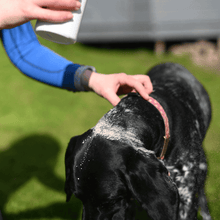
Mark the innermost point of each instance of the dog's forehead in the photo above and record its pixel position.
(108, 129)
(110, 126)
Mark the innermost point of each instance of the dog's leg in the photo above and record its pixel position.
(188, 204)
(202, 201)
(189, 175)
(204, 206)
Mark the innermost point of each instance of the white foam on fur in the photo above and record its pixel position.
(114, 132)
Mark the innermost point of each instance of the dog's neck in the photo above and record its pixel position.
(157, 105)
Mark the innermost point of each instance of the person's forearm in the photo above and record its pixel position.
(37, 61)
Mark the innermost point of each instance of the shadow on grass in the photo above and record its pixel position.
(33, 156)
(56, 210)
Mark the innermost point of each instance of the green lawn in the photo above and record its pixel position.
(37, 121)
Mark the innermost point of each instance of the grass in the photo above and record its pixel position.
(37, 121)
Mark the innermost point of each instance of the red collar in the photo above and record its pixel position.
(157, 105)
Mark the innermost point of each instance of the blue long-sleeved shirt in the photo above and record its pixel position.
(39, 62)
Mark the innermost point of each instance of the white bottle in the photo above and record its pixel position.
(62, 33)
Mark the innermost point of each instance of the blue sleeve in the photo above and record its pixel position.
(37, 61)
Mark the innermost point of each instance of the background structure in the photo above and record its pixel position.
(150, 20)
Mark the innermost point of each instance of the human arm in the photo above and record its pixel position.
(17, 12)
(39, 62)
(42, 64)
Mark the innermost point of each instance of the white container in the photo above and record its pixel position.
(62, 33)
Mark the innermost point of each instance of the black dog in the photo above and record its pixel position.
(116, 163)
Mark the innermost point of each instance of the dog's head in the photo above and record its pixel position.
(109, 174)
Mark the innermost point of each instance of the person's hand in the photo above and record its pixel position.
(17, 12)
(110, 86)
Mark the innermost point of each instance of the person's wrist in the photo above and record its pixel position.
(82, 78)
(85, 78)
(92, 81)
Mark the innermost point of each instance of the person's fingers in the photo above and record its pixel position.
(111, 97)
(52, 15)
(135, 84)
(59, 5)
(145, 80)
(53, 10)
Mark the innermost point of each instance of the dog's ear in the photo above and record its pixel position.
(69, 163)
(75, 145)
(148, 180)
